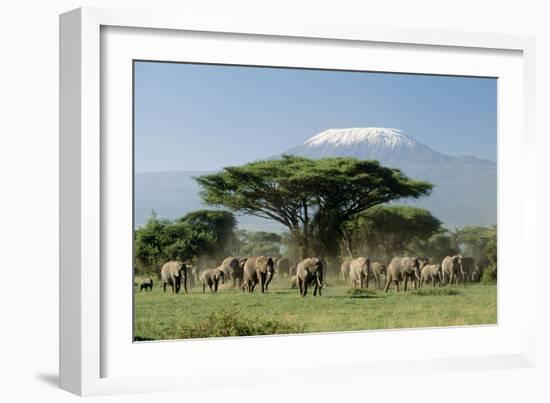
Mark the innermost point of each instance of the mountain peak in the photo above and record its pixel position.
(374, 136)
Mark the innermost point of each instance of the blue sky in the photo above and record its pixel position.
(192, 117)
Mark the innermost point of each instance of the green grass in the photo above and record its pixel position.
(230, 312)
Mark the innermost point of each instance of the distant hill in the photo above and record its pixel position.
(465, 190)
(464, 194)
(174, 194)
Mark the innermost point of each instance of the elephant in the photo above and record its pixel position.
(422, 261)
(195, 274)
(402, 269)
(344, 269)
(258, 269)
(237, 273)
(310, 271)
(283, 266)
(450, 268)
(377, 270)
(230, 267)
(192, 278)
(431, 273)
(359, 270)
(174, 273)
(146, 284)
(467, 266)
(292, 270)
(478, 272)
(212, 277)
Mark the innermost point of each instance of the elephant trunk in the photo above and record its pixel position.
(319, 280)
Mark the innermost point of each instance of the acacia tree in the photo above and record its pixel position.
(303, 194)
(390, 229)
(203, 232)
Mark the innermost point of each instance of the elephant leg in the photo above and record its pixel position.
(405, 283)
(315, 290)
(388, 282)
(203, 288)
(305, 289)
(367, 281)
(164, 287)
(215, 285)
(396, 285)
(262, 282)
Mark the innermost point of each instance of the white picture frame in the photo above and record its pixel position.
(96, 357)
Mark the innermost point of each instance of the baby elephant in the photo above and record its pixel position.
(431, 273)
(211, 278)
(146, 284)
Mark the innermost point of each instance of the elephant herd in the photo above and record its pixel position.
(247, 273)
(404, 270)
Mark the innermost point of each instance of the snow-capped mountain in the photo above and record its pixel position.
(464, 193)
(465, 187)
(376, 143)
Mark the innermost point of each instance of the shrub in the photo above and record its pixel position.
(489, 275)
(428, 292)
(361, 293)
(232, 322)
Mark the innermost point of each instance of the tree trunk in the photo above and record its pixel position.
(347, 242)
(305, 242)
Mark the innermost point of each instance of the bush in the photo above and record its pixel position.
(428, 292)
(489, 275)
(233, 323)
(361, 293)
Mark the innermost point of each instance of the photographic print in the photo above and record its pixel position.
(273, 200)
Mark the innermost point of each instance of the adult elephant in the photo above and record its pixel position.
(402, 269)
(229, 266)
(258, 269)
(283, 266)
(344, 269)
(194, 273)
(450, 269)
(359, 270)
(478, 272)
(431, 273)
(292, 270)
(377, 270)
(467, 266)
(212, 278)
(310, 272)
(237, 273)
(174, 273)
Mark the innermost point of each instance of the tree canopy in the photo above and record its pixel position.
(308, 195)
(258, 243)
(390, 229)
(203, 232)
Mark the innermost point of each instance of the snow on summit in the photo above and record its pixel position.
(374, 136)
(390, 146)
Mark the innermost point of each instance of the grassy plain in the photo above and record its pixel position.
(230, 312)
